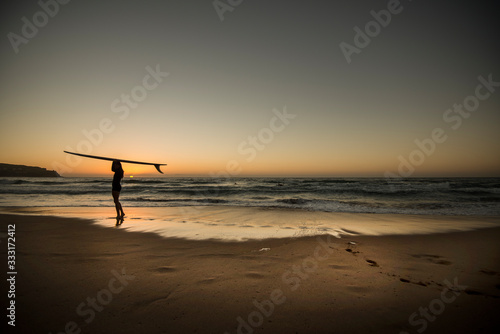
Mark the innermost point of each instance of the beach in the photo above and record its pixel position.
(79, 276)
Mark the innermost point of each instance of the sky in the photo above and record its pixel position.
(252, 88)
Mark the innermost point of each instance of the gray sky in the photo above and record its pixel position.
(226, 77)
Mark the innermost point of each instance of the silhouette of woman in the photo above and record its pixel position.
(117, 168)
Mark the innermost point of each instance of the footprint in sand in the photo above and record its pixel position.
(208, 280)
(437, 259)
(350, 245)
(372, 263)
(338, 267)
(488, 272)
(163, 270)
(254, 275)
(478, 293)
(420, 283)
(404, 280)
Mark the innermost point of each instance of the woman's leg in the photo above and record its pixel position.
(118, 206)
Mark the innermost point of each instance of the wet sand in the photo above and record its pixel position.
(246, 223)
(74, 276)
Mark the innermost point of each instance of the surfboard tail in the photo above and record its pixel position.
(158, 168)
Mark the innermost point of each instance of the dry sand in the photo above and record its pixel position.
(77, 277)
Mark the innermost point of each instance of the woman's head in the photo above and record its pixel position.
(116, 166)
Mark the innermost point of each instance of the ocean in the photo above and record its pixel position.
(421, 196)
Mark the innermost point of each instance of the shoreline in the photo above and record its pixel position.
(72, 271)
(230, 223)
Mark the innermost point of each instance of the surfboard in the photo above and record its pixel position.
(157, 165)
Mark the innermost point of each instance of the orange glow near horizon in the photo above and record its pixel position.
(271, 165)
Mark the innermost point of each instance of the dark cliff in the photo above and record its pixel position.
(25, 171)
